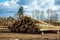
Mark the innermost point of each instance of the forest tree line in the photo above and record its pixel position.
(52, 16)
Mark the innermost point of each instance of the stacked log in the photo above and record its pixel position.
(4, 29)
(24, 24)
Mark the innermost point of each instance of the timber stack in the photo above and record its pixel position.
(25, 25)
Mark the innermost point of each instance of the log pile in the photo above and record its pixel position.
(25, 25)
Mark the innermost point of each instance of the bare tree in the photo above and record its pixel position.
(37, 14)
(49, 11)
(42, 15)
(54, 17)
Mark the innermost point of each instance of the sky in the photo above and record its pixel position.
(10, 7)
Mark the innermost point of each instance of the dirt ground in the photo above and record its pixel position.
(22, 36)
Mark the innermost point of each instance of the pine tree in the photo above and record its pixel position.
(20, 12)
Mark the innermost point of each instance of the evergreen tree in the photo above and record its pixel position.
(20, 12)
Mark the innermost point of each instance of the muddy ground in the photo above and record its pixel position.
(24, 36)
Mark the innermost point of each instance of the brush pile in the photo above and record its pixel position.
(25, 25)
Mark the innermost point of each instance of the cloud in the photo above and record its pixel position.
(57, 2)
(30, 6)
(24, 2)
(41, 5)
(8, 6)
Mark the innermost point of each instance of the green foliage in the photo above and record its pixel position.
(19, 13)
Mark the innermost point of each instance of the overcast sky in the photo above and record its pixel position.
(9, 7)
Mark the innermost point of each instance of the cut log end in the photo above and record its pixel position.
(42, 33)
(58, 32)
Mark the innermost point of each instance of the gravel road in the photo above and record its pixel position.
(22, 36)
